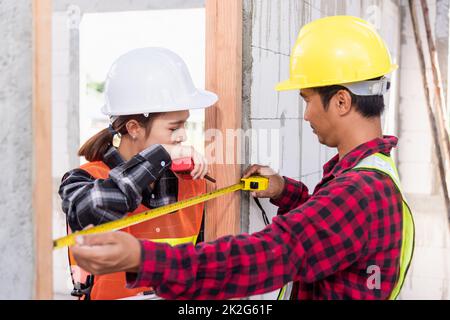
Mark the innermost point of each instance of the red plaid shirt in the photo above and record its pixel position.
(328, 242)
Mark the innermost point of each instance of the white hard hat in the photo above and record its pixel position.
(149, 80)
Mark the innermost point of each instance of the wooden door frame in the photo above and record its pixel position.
(224, 77)
(42, 148)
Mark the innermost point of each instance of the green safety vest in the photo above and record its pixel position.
(384, 164)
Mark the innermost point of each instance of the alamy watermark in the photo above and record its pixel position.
(374, 279)
(234, 146)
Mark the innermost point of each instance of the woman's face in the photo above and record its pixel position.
(168, 128)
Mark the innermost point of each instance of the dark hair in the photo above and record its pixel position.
(96, 146)
(367, 106)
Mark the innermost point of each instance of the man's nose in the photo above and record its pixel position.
(306, 114)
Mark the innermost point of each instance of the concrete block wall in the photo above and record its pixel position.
(416, 155)
(64, 153)
(270, 30)
(60, 93)
(16, 230)
(429, 274)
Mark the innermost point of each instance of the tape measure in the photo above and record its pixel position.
(255, 183)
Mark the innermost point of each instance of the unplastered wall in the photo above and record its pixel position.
(17, 258)
(65, 134)
(417, 164)
(429, 274)
(281, 138)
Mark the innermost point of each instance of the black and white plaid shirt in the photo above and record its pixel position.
(87, 200)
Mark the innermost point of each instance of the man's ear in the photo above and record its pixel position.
(343, 102)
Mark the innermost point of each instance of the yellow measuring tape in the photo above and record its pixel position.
(255, 183)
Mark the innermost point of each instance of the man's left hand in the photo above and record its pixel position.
(108, 253)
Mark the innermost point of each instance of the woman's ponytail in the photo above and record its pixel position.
(95, 148)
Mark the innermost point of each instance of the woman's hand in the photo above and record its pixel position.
(276, 182)
(177, 151)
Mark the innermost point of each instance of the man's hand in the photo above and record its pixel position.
(276, 182)
(108, 253)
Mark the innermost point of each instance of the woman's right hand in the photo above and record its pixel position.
(177, 151)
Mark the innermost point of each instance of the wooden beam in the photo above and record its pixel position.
(42, 170)
(224, 77)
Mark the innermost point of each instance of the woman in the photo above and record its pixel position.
(148, 94)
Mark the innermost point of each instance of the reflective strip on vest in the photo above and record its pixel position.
(384, 164)
(285, 292)
(176, 241)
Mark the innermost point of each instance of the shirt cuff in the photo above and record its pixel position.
(291, 192)
(158, 157)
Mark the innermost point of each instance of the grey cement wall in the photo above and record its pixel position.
(65, 131)
(417, 166)
(429, 274)
(16, 228)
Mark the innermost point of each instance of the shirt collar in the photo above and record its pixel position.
(384, 145)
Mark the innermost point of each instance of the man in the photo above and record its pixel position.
(350, 239)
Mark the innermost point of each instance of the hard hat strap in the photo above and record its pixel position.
(112, 131)
(369, 88)
(112, 119)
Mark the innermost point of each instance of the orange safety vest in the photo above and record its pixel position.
(182, 226)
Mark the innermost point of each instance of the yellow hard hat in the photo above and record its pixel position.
(337, 50)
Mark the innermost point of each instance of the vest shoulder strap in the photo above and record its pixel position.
(384, 164)
(97, 169)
